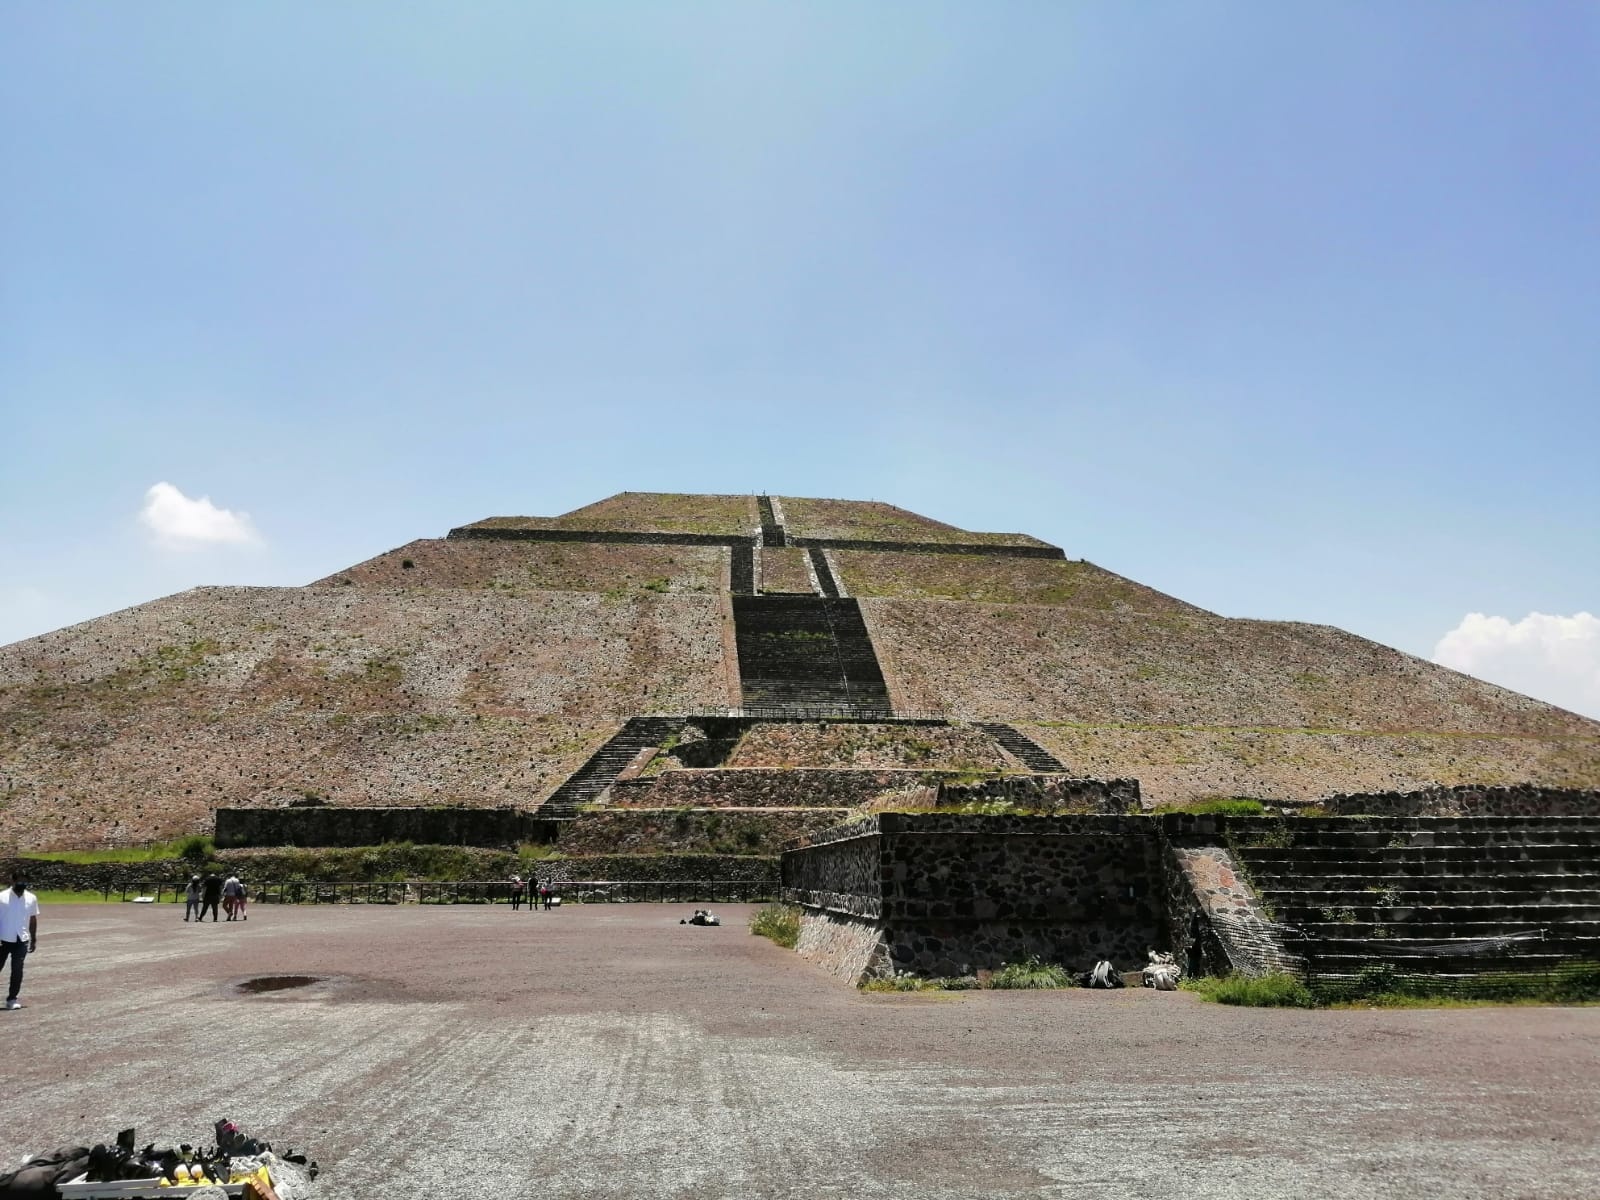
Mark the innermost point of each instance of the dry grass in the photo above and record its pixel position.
(648, 512)
(521, 568)
(872, 520)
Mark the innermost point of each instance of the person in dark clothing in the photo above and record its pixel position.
(210, 896)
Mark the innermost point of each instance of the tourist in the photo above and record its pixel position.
(191, 900)
(19, 931)
(516, 892)
(230, 897)
(210, 896)
(544, 893)
(241, 900)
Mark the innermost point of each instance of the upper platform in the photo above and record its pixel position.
(684, 519)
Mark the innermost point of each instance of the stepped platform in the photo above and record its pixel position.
(1437, 896)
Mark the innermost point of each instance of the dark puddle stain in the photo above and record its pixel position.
(276, 983)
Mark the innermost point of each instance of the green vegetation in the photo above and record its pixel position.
(1380, 986)
(780, 922)
(190, 849)
(59, 896)
(1032, 973)
(1226, 806)
(1267, 991)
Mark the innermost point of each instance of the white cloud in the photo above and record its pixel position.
(1552, 658)
(180, 523)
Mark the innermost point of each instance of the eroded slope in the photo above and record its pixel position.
(135, 726)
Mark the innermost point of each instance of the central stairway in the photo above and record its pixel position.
(1429, 895)
(804, 657)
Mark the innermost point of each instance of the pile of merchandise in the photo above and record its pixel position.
(237, 1165)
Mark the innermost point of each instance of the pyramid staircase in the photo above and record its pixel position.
(606, 763)
(1024, 749)
(805, 657)
(1412, 891)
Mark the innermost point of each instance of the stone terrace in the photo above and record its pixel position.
(873, 521)
(648, 512)
(523, 567)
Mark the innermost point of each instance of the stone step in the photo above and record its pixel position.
(1463, 839)
(805, 653)
(1238, 824)
(1439, 914)
(1335, 961)
(606, 763)
(1423, 880)
(1285, 898)
(1027, 751)
(1451, 858)
(1424, 932)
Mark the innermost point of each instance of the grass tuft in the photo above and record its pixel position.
(1267, 991)
(780, 922)
(1032, 973)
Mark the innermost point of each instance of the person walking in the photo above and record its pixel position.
(19, 931)
(191, 900)
(516, 892)
(210, 896)
(230, 897)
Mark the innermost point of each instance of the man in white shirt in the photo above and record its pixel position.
(19, 931)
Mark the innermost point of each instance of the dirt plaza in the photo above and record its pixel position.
(607, 1051)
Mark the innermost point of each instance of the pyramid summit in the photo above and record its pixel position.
(530, 663)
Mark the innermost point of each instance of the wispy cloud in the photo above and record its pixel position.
(180, 522)
(1553, 658)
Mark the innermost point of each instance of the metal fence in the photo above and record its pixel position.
(478, 891)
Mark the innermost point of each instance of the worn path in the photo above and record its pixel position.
(606, 1051)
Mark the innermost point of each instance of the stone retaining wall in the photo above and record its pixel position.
(758, 787)
(1046, 793)
(656, 831)
(330, 825)
(1516, 801)
(953, 893)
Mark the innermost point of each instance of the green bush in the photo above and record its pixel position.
(1032, 974)
(1225, 806)
(780, 922)
(1266, 991)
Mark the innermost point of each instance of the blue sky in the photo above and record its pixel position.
(1289, 310)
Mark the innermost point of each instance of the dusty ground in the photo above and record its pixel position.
(609, 1052)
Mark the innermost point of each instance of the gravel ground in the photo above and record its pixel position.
(607, 1051)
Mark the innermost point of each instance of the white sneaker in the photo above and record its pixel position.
(13, 1004)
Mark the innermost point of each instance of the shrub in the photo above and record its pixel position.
(195, 849)
(780, 922)
(1031, 974)
(901, 983)
(1226, 806)
(1266, 991)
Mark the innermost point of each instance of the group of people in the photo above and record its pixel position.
(537, 893)
(203, 895)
